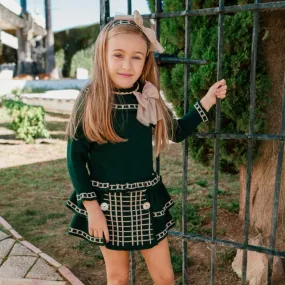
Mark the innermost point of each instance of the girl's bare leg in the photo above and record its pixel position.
(159, 263)
(117, 266)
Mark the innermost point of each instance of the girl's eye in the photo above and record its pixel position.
(120, 56)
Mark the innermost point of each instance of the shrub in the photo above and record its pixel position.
(59, 59)
(236, 70)
(84, 59)
(27, 121)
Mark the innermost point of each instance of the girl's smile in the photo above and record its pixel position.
(126, 75)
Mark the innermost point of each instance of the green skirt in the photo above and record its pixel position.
(137, 214)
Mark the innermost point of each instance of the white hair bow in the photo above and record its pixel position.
(149, 33)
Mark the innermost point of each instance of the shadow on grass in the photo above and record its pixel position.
(33, 195)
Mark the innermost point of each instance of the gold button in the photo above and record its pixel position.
(104, 206)
(146, 205)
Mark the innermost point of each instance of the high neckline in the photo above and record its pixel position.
(126, 91)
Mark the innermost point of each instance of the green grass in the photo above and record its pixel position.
(226, 256)
(232, 206)
(88, 249)
(176, 260)
(193, 218)
(32, 201)
(219, 192)
(174, 191)
(202, 183)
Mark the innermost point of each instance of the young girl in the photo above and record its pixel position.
(119, 202)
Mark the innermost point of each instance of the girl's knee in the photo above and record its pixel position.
(118, 279)
(165, 278)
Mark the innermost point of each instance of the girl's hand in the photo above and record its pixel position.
(217, 90)
(97, 224)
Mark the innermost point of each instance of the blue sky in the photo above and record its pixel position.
(72, 13)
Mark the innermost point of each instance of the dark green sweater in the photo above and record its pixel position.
(124, 162)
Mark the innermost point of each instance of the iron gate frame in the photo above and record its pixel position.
(221, 10)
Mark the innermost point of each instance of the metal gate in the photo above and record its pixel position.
(221, 10)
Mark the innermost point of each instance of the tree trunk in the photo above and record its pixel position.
(264, 169)
(262, 190)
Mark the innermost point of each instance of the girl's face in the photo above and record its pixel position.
(126, 54)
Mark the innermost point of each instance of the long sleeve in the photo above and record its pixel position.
(77, 160)
(186, 125)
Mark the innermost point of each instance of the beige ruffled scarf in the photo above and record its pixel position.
(148, 110)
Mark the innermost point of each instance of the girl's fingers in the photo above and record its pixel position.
(220, 83)
(224, 87)
(221, 93)
(106, 234)
(95, 233)
(90, 230)
(100, 234)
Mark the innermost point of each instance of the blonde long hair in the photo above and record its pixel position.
(92, 109)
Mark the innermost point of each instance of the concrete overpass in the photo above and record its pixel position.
(12, 17)
(19, 29)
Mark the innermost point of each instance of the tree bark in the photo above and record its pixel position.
(264, 168)
(263, 177)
